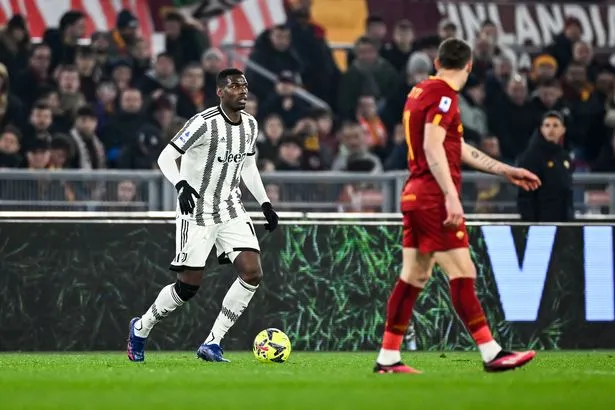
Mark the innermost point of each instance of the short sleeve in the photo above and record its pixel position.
(193, 131)
(442, 109)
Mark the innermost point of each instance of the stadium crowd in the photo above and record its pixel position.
(111, 104)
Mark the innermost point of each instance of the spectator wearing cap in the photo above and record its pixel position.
(272, 50)
(353, 144)
(64, 39)
(561, 48)
(89, 73)
(124, 36)
(547, 158)
(212, 63)
(471, 101)
(375, 30)
(510, 118)
(183, 42)
(34, 77)
(320, 73)
(418, 68)
(398, 51)
(161, 79)
(14, 44)
(10, 146)
(544, 68)
(190, 95)
(283, 102)
(89, 150)
(369, 74)
(11, 108)
(123, 127)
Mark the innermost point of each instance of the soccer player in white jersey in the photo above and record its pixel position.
(217, 149)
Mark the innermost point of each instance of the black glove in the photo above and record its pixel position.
(185, 191)
(270, 216)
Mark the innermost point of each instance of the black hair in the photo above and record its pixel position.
(373, 19)
(224, 74)
(554, 114)
(454, 54)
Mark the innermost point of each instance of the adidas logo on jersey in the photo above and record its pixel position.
(230, 157)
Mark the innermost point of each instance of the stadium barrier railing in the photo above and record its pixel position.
(329, 192)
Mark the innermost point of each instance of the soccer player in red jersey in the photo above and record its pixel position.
(433, 221)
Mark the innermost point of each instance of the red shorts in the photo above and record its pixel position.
(423, 230)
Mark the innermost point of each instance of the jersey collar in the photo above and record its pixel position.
(433, 77)
(226, 118)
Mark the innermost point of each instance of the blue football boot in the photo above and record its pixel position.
(136, 344)
(211, 353)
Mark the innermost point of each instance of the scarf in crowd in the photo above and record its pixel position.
(375, 131)
(85, 161)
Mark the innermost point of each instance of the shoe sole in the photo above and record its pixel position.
(505, 369)
(208, 358)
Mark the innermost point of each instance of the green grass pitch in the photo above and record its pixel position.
(554, 380)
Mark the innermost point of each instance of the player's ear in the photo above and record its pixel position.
(437, 64)
(469, 67)
(219, 92)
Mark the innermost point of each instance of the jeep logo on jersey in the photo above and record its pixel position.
(230, 157)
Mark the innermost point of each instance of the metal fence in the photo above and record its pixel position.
(122, 191)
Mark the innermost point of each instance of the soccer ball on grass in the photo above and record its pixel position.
(271, 345)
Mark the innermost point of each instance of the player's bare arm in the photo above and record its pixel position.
(438, 166)
(483, 162)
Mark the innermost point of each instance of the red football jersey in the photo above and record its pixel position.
(431, 101)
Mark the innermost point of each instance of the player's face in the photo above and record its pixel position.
(552, 129)
(235, 93)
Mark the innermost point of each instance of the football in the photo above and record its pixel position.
(271, 346)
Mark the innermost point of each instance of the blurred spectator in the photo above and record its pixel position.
(212, 63)
(89, 150)
(183, 42)
(33, 78)
(377, 138)
(105, 106)
(353, 145)
(398, 158)
(272, 50)
(561, 48)
(496, 81)
(289, 154)
(361, 197)
(447, 29)
(598, 124)
(89, 74)
(369, 74)
(64, 39)
(316, 157)
(10, 146)
(142, 152)
(123, 126)
(418, 69)
(273, 130)
(484, 53)
(251, 105)
(489, 31)
(546, 158)
(320, 73)
(493, 196)
(511, 119)
(14, 44)
(547, 97)
(164, 119)
(190, 94)
(398, 51)
(375, 30)
(70, 97)
(606, 160)
(124, 37)
(544, 68)
(11, 108)
(101, 44)
(326, 135)
(283, 102)
(161, 79)
(583, 54)
(471, 101)
(121, 73)
(38, 127)
(141, 60)
(61, 152)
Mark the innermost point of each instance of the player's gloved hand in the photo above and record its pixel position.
(186, 192)
(270, 216)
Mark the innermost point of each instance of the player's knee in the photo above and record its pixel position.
(185, 291)
(252, 274)
(417, 278)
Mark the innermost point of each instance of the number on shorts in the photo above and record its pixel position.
(251, 228)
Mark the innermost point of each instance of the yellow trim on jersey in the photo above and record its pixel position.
(436, 119)
(433, 77)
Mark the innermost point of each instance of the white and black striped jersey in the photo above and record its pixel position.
(213, 151)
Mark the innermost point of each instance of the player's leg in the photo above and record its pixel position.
(237, 240)
(415, 273)
(192, 248)
(457, 264)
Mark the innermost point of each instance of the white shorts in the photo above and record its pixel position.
(194, 242)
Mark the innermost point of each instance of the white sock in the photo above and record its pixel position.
(233, 305)
(166, 302)
(388, 357)
(489, 350)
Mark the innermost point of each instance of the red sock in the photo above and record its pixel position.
(399, 313)
(469, 309)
